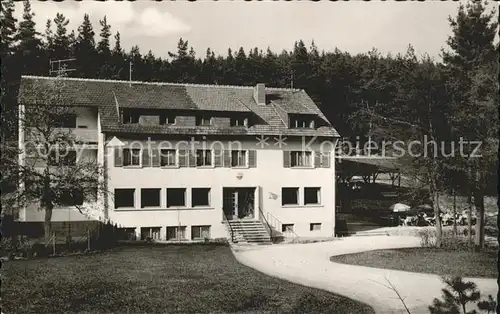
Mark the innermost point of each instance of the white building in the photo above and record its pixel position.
(182, 160)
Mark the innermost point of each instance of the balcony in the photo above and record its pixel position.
(87, 136)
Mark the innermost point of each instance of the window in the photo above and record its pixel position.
(176, 197)
(203, 120)
(311, 196)
(176, 233)
(302, 123)
(62, 158)
(239, 122)
(315, 227)
(124, 198)
(289, 196)
(203, 157)
(152, 233)
(71, 197)
(65, 121)
(200, 197)
(287, 228)
(200, 232)
(131, 157)
(130, 116)
(168, 157)
(150, 198)
(167, 119)
(301, 159)
(238, 158)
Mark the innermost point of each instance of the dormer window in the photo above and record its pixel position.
(302, 122)
(239, 122)
(167, 119)
(130, 116)
(203, 120)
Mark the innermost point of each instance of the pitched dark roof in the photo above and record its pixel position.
(106, 95)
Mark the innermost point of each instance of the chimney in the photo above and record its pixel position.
(259, 94)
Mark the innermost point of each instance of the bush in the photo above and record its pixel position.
(448, 239)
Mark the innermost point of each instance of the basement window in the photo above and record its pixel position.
(153, 233)
(289, 196)
(286, 228)
(200, 232)
(124, 198)
(150, 198)
(176, 197)
(315, 227)
(176, 233)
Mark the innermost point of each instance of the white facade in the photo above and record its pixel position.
(268, 177)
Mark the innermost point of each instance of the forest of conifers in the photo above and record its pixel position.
(362, 95)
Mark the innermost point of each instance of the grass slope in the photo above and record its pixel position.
(158, 279)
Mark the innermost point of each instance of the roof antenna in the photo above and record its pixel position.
(61, 66)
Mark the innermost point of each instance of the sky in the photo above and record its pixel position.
(354, 26)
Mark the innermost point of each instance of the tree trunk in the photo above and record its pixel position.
(455, 230)
(469, 219)
(439, 229)
(479, 204)
(47, 226)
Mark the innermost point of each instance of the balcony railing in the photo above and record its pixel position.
(89, 136)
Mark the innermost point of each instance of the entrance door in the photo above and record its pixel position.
(239, 203)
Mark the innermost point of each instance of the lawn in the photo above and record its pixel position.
(158, 279)
(428, 260)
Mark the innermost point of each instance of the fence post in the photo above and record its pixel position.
(88, 239)
(54, 243)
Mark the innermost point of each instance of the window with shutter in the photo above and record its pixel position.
(252, 158)
(227, 158)
(146, 160)
(325, 160)
(183, 157)
(118, 157)
(218, 162)
(286, 159)
(317, 159)
(155, 156)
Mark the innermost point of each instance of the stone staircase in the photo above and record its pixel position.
(247, 232)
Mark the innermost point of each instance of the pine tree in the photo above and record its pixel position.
(7, 28)
(472, 71)
(85, 51)
(30, 45)
(61, 44)
(10, 71)
(106, 67)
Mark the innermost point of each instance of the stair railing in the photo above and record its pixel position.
(279, 223)
(269, 227)
(231, 231)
